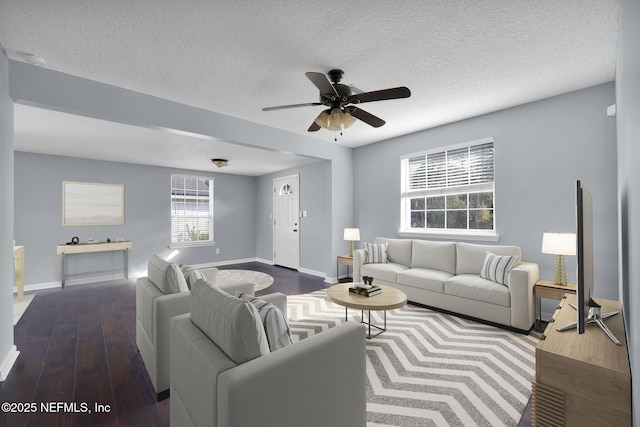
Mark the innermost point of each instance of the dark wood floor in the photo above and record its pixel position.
(77, 350)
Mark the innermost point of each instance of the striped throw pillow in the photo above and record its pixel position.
(497, 267)
(275, 323)
(376, 253)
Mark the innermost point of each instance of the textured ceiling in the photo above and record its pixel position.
(459, 58)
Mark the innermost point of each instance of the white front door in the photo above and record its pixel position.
(286, 221)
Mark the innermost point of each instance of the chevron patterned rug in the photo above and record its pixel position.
(431, 368)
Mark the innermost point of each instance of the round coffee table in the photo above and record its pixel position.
(388, 299)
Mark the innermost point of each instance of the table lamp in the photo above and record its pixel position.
(352, 235)
(559, 244)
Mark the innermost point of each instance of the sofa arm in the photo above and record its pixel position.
(166, 307)
(522, 280)
(359, 259)
(210, 273)
(283, 388)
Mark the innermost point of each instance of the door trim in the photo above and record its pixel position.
(273, 215)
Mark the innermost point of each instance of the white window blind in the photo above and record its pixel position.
(449, 189)
(191, 210)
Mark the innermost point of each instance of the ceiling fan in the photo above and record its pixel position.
(339, 98)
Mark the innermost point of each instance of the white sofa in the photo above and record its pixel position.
(446, 275)
(223, 376)
(162, 295)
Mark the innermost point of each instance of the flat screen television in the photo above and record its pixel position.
(588, 311)
(584, 251)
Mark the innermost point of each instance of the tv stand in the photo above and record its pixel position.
(594, 317)
(582, 379)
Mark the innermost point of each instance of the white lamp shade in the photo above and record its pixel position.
(559, 243)
(352, 234)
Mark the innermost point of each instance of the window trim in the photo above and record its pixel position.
(406, 194)
(193, 243)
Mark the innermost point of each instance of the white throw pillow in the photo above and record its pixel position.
(166, 276)
(275, 323)
(497, 267)
(376, 253)
(231, 323)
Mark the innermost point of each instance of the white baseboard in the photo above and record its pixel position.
(104, 278)
(8, 362)
(77, 281)
(312, 272)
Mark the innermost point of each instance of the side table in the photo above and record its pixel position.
(346, 260)
(548, 289)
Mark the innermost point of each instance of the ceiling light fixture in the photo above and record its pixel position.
(220, 162)
(32, 59)
(335, 119)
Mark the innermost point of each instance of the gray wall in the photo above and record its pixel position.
(62, 92)
(628, 106)
(541, 149)
(6, 216)
(315, 198)
(38, 223)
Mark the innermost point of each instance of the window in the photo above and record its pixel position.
(449, 191)
(191, 210)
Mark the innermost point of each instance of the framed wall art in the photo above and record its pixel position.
(86, 203)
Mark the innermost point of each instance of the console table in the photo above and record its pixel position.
(81, 248)
(582, 379)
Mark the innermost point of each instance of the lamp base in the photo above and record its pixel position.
(560, 276)
(351, 248)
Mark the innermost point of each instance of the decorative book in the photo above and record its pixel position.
(365, 290)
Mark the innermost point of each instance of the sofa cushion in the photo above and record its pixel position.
(376, 252)
(398, 251)
(472, 286)
(233, 324)
(497, 267)
(274, 321)
(434, 255)
(386, 272)
(166, 276)
(421, 278)
(470, 257)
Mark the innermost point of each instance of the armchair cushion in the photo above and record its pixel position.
(231, 323)
(275, 323)
(166, 276)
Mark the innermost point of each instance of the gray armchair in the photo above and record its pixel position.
(317, 382)
(160, 296)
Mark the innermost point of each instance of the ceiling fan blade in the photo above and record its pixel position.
(368, 118)
(314, 127)
(281, 107)
(380, 95)
(322, 83)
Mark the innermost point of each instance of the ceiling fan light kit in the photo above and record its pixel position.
(338, 98)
